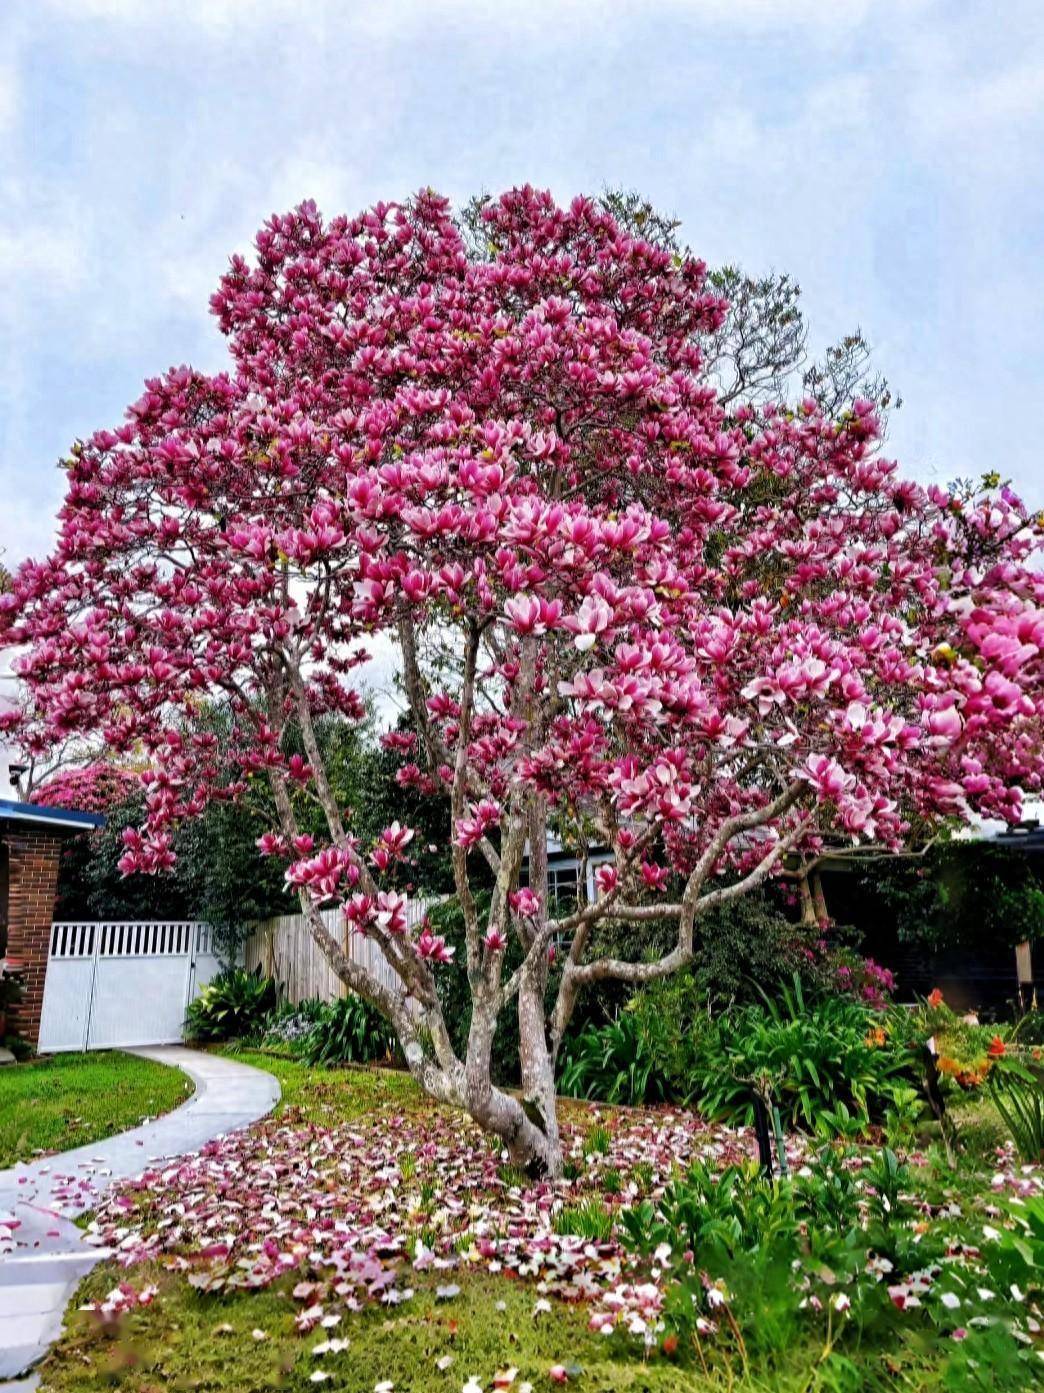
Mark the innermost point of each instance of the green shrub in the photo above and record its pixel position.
(808, 1057)
(290, 1022)
(589, 1219)
(761, 1248)
(840, 1253)
(621, 1062)
(1020, 1103)
(743, 946)
(830, 1062)
(235, 1004)
(347, 1031)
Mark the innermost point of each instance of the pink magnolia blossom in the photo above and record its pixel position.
(391, 912)
(525, 902)
(434, 948)
(606, 878)
(827, 777)
(530, 614)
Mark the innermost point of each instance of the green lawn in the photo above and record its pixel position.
(186, 1340)
(69, 1100)
(333, 1095)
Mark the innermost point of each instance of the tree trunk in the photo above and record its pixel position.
(537, 1068)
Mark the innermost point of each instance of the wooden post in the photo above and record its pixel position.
(761, 1131)
(1027, 990)
(818, 898)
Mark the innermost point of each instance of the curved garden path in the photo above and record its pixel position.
(42, 1252)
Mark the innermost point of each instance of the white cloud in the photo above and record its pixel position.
(9, 97)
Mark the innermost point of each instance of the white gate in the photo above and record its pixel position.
(121, 984)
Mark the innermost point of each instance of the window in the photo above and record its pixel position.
(563, 884)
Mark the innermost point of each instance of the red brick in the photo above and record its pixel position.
(33, 876)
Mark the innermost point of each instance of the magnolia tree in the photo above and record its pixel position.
(703, 636)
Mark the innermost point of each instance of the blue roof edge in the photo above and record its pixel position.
(53, 817)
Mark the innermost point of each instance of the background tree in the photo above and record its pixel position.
(961, 894)
(702, 635)
(759, 351)
(217, 876)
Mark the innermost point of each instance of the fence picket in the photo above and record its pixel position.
(283, 948)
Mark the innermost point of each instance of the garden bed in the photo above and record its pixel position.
(363, 1236)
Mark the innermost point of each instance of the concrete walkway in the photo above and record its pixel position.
(42, 1253)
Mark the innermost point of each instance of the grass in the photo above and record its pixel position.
(67, 1100)
(181, 1341)
(207, 1343)
(980, 1128)
(328, 1095)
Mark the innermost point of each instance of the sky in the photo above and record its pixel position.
(887, 155)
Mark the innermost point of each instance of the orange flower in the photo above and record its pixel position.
(935, 997)
(875, 1037)
(996, 1048)
(946, 1065)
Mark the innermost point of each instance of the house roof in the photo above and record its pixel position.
(1027, 837)
(68, 818)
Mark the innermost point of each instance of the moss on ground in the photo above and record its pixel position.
(246, 1342)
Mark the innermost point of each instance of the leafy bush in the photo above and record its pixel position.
(589, 1219)
(236, 1003)
(11, 995)
(290, 1022)
(758, 1248)
(744, 945)
(960, 894)
(347, 1031)
(830, 1062)
(808, 1057)
(1021, 1105)
(840, 1253)
(621, 1062)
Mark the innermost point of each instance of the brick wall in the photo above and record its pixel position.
(33, 879)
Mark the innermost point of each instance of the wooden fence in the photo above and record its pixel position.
(284, 949)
